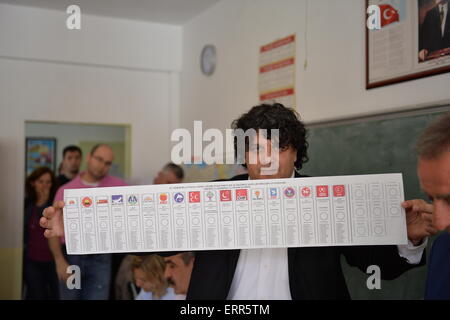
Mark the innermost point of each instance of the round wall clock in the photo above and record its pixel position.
(208, 59)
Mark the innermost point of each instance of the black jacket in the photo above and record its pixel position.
(28, 212)
(431, 34)
(314, 273)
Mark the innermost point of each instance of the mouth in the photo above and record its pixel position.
(170, 282)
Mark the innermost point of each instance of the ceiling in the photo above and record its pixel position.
(176, 12)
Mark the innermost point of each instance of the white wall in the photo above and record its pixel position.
(42, 34)
(332, 86)
(110, 72)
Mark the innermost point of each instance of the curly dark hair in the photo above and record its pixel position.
(276, 116)
(30, 192)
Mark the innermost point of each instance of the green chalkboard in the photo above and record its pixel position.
(371, 146)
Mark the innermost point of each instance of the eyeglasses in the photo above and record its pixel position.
(102, 161)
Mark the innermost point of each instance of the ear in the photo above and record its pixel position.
(295, 153)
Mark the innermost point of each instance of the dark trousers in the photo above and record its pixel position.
(116, 262)
(41, 281)
(95, 277)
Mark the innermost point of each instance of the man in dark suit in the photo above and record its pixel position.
(435, 30)
(280, 273)
(294, 273)
(434, 174)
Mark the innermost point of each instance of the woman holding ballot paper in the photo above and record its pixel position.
(284, 273)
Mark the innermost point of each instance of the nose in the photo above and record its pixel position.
(441, 215)
(265, 157)
(103, 164)
(167, 273)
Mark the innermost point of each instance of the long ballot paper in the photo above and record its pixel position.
(303, 212)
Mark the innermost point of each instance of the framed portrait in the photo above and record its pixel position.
(40, 152)
(411, 41)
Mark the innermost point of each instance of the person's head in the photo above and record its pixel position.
(170, 173)
(71, 160)
(40, 185)
(178, 271)
(434, 169)
(148, 273)
(99, 161)
(288, 150)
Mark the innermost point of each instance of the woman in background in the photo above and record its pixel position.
(148, 272)
(39, 269)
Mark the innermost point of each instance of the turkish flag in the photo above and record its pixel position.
(388, 15)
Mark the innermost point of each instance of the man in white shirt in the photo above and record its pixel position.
(294, 273)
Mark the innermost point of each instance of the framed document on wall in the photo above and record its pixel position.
(413, 41)
(40, 152)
